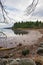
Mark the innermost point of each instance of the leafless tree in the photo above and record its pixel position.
(31, 7)
(27, 11)
(3, 11)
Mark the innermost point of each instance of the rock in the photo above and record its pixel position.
(3, 61)
(13, 62)
(23, 61)
(26, 61)
(40, 51)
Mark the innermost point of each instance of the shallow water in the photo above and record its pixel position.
(14, 39)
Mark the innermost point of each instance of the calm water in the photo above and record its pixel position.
(11, 38)
(8, 32)
(12, 33)
(7, 36)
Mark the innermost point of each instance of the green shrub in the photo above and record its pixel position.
(25, 52)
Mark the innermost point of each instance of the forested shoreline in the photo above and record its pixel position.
(28, 24)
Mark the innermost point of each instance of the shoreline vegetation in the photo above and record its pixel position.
(28, 24)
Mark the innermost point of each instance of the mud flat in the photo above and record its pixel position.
(26, 39)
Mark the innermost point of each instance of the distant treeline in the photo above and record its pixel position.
(28, 24)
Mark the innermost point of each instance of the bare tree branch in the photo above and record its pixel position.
(31, 7)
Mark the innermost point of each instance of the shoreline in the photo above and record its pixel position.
(16, 51)
(26, 39)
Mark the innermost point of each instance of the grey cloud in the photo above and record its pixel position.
(20, 5)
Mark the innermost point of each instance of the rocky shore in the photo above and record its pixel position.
(16, 52)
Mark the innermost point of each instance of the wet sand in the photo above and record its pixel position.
(27, 39)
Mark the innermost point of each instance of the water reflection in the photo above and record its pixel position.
(17, 36)
(8, 32)
(8, 37)
(11, 33)
(20, 32)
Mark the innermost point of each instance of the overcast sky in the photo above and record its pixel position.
(15, 9)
